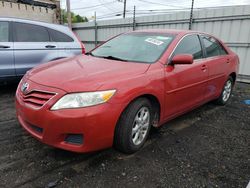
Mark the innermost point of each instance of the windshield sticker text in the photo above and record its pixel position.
(154, 41)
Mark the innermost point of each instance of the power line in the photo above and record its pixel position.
(139, 12)
(149, 12)
(120, 13)
(110, 15)
(172, 10)
(94, 6)
(156, 10)
(103, 3)
(150, 2)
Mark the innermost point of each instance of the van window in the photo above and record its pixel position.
(4, 32)
(30, 33)
(190, 45)
(57, 36)
(212, 47)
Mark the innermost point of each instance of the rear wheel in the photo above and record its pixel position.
(133, 127)
(226, 92)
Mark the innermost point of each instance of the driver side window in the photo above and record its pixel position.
(190, 45)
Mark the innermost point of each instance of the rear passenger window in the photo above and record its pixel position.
(190, 45)
(57, 36)
(213, 47)
(4, 32)
(30, 33)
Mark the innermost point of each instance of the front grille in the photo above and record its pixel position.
(36, 98)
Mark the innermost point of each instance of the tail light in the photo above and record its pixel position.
(81, 44)
(83, 47)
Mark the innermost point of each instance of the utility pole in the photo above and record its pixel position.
(124, 8)
(191, 16)
(69, 14)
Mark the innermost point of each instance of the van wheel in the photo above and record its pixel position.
(133, 126)
(226, 92)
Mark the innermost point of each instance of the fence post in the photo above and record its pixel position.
(96, 42)
(134, 22)
(191, 16)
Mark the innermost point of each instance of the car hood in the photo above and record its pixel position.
(84, 73)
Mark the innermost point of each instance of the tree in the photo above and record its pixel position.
(75, 18)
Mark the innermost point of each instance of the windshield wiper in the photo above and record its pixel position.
(106, 57)
(89, 53)
(113, 58)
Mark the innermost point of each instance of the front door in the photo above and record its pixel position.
(185, 84)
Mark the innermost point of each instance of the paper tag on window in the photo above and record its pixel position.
(154, 41)
(162, 38)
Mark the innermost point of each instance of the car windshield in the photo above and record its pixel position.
(137, 47)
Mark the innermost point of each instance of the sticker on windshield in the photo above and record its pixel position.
(163, 38)
(154, 41)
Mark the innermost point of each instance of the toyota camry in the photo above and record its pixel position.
(114, 94)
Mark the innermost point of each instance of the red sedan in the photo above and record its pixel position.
(113, 95)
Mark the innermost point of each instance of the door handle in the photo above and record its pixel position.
(228, 61)
(50, 46)
(204, 68)
(3, 46)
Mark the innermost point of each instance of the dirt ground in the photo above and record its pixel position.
(208, 147)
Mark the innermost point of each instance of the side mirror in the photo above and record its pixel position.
(182, 59)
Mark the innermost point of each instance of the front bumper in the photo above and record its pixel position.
(96, 124)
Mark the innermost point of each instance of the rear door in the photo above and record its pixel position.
(32, 46)
(67, 46)
(218, 63)
(7, 67)
(185, 84)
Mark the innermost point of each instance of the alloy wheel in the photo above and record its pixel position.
(141, 125)
(227, 91)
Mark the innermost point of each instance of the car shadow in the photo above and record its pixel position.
(183, 121)
(172, 127)
(8, 88)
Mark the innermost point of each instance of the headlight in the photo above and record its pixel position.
(78, 100)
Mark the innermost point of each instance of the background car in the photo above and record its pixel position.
(114, 94)
(25, 44)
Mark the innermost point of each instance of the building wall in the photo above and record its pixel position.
(18, 10)
(231, 24)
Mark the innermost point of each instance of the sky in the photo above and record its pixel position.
(112, 9)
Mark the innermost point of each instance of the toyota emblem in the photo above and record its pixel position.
(25, 87)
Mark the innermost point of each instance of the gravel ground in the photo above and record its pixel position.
(208, 147)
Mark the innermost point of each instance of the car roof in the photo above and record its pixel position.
(168, 31)
(45, 24)
(62, 28)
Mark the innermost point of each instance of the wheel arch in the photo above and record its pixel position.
(233, 75)
(153, 100)
(119, 130)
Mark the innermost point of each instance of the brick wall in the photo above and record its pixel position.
(18, 10)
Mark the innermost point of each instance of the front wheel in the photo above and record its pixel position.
(133, 127)
(226, 92)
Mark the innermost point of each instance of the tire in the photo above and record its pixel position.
(132, 130)
(226, 92)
